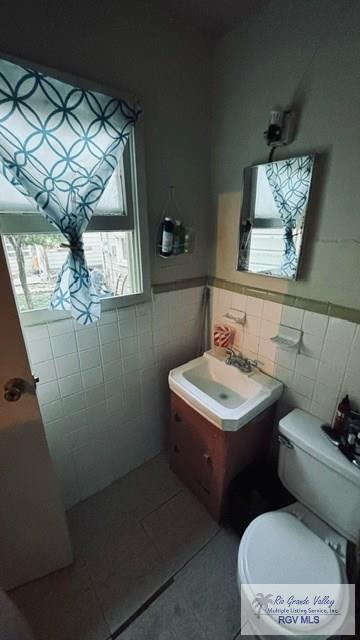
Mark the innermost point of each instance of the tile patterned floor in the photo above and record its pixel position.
(143, 532)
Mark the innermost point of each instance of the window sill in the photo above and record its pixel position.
(40, 316)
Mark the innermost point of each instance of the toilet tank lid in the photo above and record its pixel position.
(304, 430)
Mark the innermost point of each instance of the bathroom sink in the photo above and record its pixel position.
(223, 394)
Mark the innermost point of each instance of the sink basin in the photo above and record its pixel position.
(222, 393)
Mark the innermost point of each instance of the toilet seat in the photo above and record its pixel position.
(278, 548)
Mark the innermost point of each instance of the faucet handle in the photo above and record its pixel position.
(254, 363)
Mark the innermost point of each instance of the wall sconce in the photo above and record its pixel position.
(281, 127)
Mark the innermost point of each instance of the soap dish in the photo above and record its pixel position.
(235, 316)
(287, 337)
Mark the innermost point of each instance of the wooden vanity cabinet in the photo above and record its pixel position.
(206, 458)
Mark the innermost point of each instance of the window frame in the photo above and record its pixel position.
(136, 220)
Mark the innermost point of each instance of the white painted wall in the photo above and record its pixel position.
(304, 54)
(103, 389)
(316, 378)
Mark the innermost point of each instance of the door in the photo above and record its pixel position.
(34, 538)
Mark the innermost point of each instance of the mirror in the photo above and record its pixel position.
(276, 197)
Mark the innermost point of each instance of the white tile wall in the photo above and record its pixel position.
(327, 365)
(103, 389)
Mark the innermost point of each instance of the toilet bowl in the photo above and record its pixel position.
(306, 542)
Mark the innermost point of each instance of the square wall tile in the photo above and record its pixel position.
(143, 325)
(67, 365)
(253, 325)
(60, 326)
(325, 395)
(126, 315)
(131, 363)
(92, 377)
(254, 306)
(129, 346)
(51, 411)
(311, 345)
(272, 311)
(108, 333)
(315, 323)
(268, 329)
(301, 384)
(341, 331)
(110, 351)
(40, 350)
(108, 317)
(324, 412)
(127, 330)
(306, 366)
(74, 403)
(292, 317)
(238, 301)
(63, 344)
(251, 342)
(47, 392)
(112, 370)
(90, 358)
(95, 394)
(88, 338)
(283, 374)
(330, 373)
(45, 371)
(145, 341)
(295, 400)
(334, 351)
(70, 385)
(37, 332)
(113, 388)
(267, 349)
(266, 365)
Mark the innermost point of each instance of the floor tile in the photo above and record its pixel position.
(62, 606)
(166, 619)
(146, 488)
(179, 529)
(207, 587)
(127, 578)
(128, 540)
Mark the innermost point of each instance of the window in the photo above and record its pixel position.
(115, 250)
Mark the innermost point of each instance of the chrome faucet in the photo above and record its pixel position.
(244, 364)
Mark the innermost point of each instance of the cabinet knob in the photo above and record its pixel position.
(177, 417)
(207, 457)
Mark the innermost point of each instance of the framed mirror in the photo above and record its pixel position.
(273, 213)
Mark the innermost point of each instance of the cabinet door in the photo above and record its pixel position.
(196, 452)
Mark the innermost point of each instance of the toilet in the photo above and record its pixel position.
(306, 542)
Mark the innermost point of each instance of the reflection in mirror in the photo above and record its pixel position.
(275, 201)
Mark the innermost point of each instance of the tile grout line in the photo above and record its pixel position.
(148, 602)
(160, 506)
(164, 587)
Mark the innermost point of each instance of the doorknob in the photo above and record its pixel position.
(13, 389)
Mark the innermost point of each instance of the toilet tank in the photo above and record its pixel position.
(318, 474)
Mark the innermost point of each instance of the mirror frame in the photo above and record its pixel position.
(247, 201)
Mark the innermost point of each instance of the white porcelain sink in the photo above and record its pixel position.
(222, 393)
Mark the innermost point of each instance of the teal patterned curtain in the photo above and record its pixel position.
(59, 145)
(289, 181)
